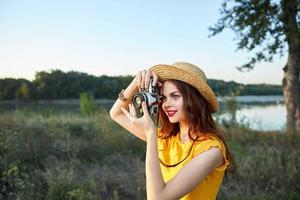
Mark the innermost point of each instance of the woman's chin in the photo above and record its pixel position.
(172, 120)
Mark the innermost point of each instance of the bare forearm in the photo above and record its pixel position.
(154, 179)
(131, 89)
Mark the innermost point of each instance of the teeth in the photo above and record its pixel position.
(171, 112)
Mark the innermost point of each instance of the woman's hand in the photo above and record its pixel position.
(143, 77)
(144, 123)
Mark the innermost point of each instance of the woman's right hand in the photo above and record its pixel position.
(125, 119)
(142, 79)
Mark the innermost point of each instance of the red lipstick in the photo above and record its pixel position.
(170, 113)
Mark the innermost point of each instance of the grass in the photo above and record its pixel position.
(268, 167)
(69, 156)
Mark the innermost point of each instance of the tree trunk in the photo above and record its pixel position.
(291, 91)
(291, 80)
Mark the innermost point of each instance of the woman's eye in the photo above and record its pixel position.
(163, 99)
(175, 96)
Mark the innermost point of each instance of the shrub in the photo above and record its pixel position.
(87, 104)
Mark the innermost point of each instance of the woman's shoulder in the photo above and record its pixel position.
(211, 141)
(207, 141)
(207, 137)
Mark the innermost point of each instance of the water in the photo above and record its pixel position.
(261, 117)
(256, 99)
(257, 112)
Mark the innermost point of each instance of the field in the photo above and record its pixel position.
(71, 156)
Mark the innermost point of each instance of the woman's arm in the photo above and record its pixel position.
(141, 80)
(118, 116)
(186, 179)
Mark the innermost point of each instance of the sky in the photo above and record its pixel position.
(118, 37)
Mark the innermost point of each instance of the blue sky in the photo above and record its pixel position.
(120, 37)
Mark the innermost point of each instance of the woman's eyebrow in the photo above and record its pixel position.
(171, 93)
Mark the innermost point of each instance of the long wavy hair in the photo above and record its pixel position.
(200, 121)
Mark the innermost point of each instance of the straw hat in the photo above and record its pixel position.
(188, 73)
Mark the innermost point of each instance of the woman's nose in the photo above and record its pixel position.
(166, 103)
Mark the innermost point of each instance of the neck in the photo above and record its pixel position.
(184, 129)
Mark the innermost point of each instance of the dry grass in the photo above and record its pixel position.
(64, 156)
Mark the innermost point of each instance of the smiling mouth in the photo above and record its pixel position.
(171, 113)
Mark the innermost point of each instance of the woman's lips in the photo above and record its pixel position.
(171, 113)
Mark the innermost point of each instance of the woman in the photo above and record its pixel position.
(187, 156)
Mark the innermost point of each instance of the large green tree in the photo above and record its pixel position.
(268, 28)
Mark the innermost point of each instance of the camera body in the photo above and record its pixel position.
(150, 96)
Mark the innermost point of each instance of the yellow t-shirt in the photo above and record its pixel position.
(172, 151)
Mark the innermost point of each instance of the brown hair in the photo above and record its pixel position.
(198, 112)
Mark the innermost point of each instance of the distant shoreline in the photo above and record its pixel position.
(240, 99)
(256, 99)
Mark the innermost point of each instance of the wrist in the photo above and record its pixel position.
(125, 95)
(151, 133)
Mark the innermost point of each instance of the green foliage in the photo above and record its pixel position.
(80, 194)
(84, 130)
(267, 166)
(87, 104)
(23, 93)
(13, 183)
(261, 89)
(60, 85)
(15, 88)
(261, 24)
(65, 184)
(222, 88)
(268, 28)
(69, 157)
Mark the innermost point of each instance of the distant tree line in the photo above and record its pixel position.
(231, 88)
(57, 84)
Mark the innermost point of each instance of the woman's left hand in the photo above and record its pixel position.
(144, 123)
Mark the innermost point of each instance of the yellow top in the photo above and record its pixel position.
(172, 151)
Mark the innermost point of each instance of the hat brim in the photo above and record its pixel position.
(166, 72)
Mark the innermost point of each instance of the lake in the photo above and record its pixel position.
(258, 112)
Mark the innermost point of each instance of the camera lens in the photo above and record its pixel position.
(155, 111)
(138, 100)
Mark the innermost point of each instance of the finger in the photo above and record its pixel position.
(155, 78)
(138, 79)
(132, 110)
(145, 109)
(147, 78)
(127, 114)
(159, 84)
(143, 79)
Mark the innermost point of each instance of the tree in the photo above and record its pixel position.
(268, 28)
(87, 103)
(23, 93)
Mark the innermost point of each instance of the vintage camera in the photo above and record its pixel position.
(151, 97)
